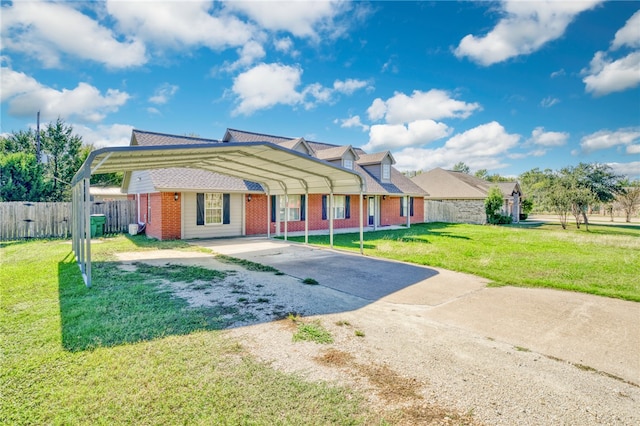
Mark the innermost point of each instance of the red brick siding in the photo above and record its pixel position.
(256, 214)
(391, 211)
(165, 215)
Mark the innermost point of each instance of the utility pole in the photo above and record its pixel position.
(38, 139)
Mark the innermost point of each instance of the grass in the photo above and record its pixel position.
(247, 264)
(310, 331)
(602, 261)
(127, 352)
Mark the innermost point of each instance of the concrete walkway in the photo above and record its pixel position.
(585, 330)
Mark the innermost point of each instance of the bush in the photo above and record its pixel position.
(500, 219)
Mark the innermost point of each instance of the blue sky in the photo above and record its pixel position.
(504, 86)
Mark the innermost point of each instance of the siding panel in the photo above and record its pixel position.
(191, 230)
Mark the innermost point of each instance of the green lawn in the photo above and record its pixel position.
(604, 260)
(126, 351)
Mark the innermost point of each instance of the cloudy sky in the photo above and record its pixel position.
(504, 86)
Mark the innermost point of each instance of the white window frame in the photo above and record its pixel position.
(386, 171)
(295, 201)
(405, 206)
(213, 205)
(347, 164)
(339, 206)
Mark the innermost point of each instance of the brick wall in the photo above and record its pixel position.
(257, 208)
(164, 218)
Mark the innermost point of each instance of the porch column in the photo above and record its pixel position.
(269, 215)
(286, 214)
(408, 212)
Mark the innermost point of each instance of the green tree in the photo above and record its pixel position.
(461, 167)
(493, 204)
(535, 183)
(21, 177)
(558, 198)
(481, 174)
(64, 156)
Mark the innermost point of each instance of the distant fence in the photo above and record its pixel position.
(19, 220)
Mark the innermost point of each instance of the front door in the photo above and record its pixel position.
(372, 210)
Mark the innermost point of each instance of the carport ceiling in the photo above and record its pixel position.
(274, 167)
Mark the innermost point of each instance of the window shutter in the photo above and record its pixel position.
(226, 209)
(200, 209)
(303, 211)
(402, 207)
(273, 208)
(410, 206)
(324, 207)
(347, 207)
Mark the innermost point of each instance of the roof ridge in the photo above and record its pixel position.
(174, 136)
(262, 134)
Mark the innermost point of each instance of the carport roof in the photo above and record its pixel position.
(277, 169)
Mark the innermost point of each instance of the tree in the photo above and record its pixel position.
(629, 199)
(21, 177)
(493, 205)
(64, 158)
(461, 167)
(481, 174)
(558, 197)
(535, 183)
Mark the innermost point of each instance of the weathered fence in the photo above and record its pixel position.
(19, 220)
(437, 211)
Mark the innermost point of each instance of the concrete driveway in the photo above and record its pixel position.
(596, 332)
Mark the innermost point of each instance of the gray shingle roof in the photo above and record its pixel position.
(332, 153)
(448, 184)
(196, 179)
(375, 158)
(143, 138)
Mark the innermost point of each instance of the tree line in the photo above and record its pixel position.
(40, 166)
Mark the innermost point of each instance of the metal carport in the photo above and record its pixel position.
(280, 171)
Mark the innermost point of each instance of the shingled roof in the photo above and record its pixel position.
(143, 138)
(448, 184)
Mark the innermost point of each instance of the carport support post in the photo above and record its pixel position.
(331, 219)
(306, 216)
(361, 223)
(269, 214)
(286, 214)
(87, 231)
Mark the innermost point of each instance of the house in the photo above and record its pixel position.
(463, 196)
(184, 203)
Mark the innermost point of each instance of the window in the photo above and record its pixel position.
(294, 207)
(386, 171)
(338, 206)
(404, 208)
(347, 164)
(213, 209)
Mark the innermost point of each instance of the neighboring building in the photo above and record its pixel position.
(107, 193)
(179, 203)
(464, 196)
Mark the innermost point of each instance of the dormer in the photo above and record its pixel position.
(378, 165)
(344, 156)
(299, 144)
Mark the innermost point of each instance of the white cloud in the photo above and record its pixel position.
(153, 111)
(631, 170)
(353, 122)
(633, 149)
(479, 148)
(561, 72)
(85, 102)
(392, 136)
(177, 24)
(606, 139)
(163, 93)
(300, 18)
(605, 76)
(267, 85)
(105, 135)
(284, 44)
(542, 138)
(47, 31)
(549, 101)
(431, 105)
(350, 85)
(629, 35)
(525, 27)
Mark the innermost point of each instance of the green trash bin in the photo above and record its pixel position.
(97, 225)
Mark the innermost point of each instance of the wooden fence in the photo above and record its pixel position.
(436, 211)
(19, 220)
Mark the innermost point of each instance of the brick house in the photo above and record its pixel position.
(465, 195)
(184, 203)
